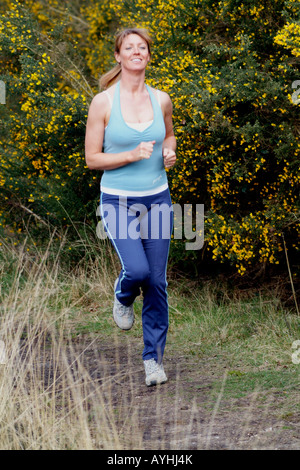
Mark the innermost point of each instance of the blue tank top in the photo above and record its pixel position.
(144, 176)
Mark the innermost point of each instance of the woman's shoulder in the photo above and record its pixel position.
(101, 103)
(157, 91)
(101, 97)
(162, 96)
(164, 100)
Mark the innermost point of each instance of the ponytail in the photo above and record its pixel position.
(110, 77)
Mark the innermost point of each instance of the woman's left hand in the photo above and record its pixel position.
(169, 157)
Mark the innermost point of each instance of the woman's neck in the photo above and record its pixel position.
(132, 84)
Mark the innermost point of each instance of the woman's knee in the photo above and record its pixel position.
(139, 274)
(157, 283)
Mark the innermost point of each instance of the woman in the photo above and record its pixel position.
(129, 136)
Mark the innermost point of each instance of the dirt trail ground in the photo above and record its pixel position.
(187, 412)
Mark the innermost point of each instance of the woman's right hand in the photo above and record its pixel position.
(143, 151)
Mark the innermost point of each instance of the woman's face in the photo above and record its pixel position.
(134, 53)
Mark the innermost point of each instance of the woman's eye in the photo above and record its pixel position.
(130, 47)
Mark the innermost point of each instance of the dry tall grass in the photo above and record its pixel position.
(52, 397)
(48, 399)
(58, 392)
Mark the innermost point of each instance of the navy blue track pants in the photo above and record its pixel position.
(140, 231)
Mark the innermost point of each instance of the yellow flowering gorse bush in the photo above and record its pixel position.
(238, 143)
(228, 67)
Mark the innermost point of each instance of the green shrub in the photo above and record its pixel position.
(228, 66)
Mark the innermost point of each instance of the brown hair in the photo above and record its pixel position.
(114, 74)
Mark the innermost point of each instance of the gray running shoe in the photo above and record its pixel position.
(155, 373)
(123, 316)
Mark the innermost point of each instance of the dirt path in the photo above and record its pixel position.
(188, 412)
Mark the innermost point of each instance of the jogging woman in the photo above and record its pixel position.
(129, 136)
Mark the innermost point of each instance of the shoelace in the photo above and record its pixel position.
(123, 310)
(152, 366)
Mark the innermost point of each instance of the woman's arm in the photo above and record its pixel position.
(169, 144)
(94, 157)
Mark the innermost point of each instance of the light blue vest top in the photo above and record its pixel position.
(144, 176)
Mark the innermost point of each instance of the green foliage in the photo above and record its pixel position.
(236, 124)
(228, 67)
(43, 126)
